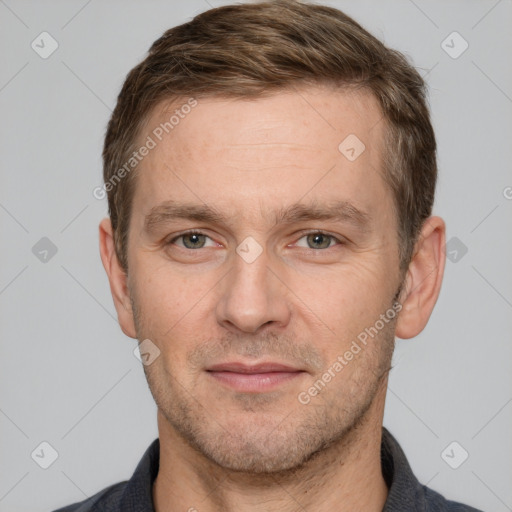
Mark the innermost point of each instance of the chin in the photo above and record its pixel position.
(259, 443)
(253, 458)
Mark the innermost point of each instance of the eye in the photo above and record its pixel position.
(318, 240)
(313, 240)
(191, 240)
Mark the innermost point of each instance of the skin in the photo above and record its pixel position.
(302, 301)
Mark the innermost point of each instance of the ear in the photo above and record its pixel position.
(423, 279)
(117, 279)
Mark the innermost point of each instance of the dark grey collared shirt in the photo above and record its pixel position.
(406, 494)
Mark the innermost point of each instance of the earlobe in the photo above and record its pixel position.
(117, 279)
(423, 279)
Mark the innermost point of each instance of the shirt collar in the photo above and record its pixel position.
(404, 490)
(138, 493)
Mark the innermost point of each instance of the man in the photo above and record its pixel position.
(270, 171)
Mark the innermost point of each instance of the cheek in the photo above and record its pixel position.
(171, 305)
(344, 301)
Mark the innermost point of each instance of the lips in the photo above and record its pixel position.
(255, 378)
(237, 367)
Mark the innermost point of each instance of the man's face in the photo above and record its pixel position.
(265, 280)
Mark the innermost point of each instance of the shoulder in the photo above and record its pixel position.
(129, 495)
(434, 502)
(107, 500)
(406, 493)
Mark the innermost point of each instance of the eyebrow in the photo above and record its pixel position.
(340, 211)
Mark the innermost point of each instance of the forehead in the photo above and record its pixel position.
(318, 142)
(287, 118)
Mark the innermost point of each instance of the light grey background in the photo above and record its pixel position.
(68, 374)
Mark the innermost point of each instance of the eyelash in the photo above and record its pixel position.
(302, 235)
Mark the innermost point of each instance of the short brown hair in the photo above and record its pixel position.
(255, 49)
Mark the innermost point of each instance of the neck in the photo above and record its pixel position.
(345, 476)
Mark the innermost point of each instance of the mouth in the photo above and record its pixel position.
(257, 378)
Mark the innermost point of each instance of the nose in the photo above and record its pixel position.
(252, 296)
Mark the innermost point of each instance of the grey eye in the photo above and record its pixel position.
(197, 240)
(318, 240)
